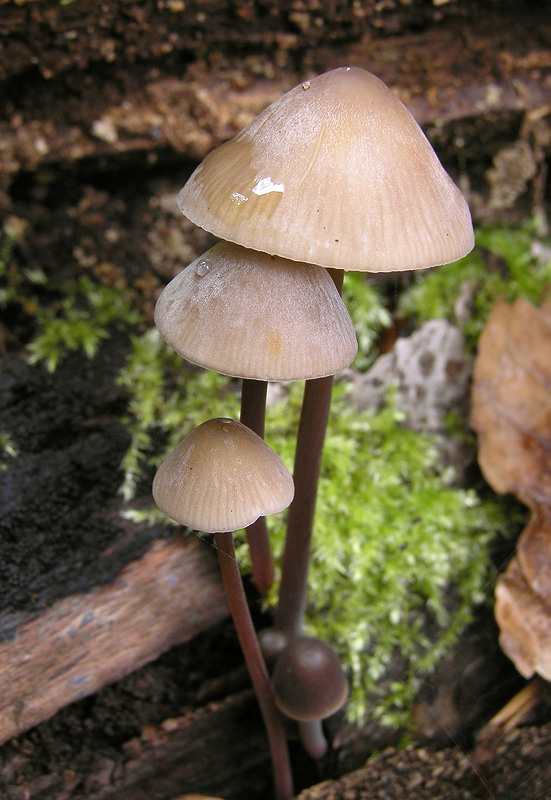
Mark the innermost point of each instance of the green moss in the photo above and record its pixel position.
(504, 263)
(168, 397)
(68, 315)
(16, 286)
(400, 555)
(368, 315)
(8, 450)
(80, 320)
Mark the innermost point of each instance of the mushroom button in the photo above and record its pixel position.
(309, 685)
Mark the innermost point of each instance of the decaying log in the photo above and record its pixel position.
(85, 641)
(173, 757)
(52, 37)
(474, 83)
(519, 765)
(176, 757)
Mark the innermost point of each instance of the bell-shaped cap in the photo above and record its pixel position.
(308, 680)
(337, 173)
(250, 315)
(221, 477)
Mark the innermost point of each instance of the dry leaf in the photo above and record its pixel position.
(534, 554)
(525, 623)
(511, 412)
(511, 401)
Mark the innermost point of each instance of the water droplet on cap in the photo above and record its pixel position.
(202, 268)
(238, 198)
(266, 185)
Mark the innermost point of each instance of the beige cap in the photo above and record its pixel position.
(247, 314)
(337, 173)
(221, 477)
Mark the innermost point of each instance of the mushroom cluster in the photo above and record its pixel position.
(335, 175)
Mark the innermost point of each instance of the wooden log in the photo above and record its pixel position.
(518, 765)
(51, 37)
(468, 82)
(220, 749)
(85, 641)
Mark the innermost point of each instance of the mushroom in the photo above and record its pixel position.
(337, 173)
(309, 685)
(257, 317)
(251, 315)
(222, 475)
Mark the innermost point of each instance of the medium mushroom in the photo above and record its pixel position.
(337, 173)
(222, 475)
(257, 317)
(251, 315)
(309, 686)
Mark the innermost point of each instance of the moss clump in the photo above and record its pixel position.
(168, 397)
(507, 262)
(68, 315)
(81, 319)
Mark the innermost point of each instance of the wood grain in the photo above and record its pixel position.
(85, 641)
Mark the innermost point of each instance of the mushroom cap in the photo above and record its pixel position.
(336, 172)
(221, 477)
(308, 680)
(251, 315)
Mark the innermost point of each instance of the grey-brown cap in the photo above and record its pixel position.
(247, 314)
(221, 477)
(337, 173)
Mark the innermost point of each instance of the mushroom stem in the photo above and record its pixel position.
(253, 414)
(313, 738)
(316, 404)
(253, 404)
(255, 665)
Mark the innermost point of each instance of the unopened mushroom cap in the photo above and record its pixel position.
(221, 477)
(251, 315)
(308, 680)
(337, 173)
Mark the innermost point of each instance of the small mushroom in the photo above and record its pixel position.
(221, 477)
(309, 685)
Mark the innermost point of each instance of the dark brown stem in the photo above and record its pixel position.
(253, 414)
(253, 405)
(296, 556)
(255, 665)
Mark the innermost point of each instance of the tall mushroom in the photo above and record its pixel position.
(337, 173)
(223, 476)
